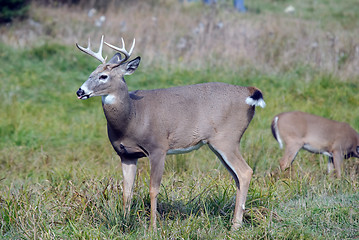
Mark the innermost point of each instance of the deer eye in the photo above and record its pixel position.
(103, 77)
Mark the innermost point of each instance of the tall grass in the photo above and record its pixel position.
(60, 178)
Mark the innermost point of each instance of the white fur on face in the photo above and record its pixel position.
(104, 79)
(85, 88)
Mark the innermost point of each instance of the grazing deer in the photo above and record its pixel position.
(297, 130)
(153, 123)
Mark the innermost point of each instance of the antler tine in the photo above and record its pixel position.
(133, 46)
(88, 50)
(123, 44)
(122, 50)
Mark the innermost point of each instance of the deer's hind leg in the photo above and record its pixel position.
(241, 172)
(291, 151)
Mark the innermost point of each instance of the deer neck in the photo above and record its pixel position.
(118, 111)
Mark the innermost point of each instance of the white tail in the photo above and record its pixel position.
(153, 123)
(256, 100)
(275, 131)
(315, 134)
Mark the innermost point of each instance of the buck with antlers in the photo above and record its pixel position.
(153, 123)
(297, 130)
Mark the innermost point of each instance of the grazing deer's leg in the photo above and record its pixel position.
(330, 165)
(129, 168)
(290, 153)
(338, 161)
(241, 172)
(157, 161)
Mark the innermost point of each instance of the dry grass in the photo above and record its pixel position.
(171, 34)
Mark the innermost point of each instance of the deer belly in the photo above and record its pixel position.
(187, 149)
(128, 152)
(313, 149)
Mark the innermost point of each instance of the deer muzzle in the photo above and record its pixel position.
(81, 94)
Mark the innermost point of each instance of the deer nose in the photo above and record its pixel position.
(80, 92)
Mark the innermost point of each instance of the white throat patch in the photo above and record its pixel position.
(108, 99)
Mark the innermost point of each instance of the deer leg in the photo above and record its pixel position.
(157, 162)
(129, 168)
(330, 165)
(338, 163)
(291, 151)
(242, 174)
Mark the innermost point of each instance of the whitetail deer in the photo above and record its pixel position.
(153, 123)
(297, 130)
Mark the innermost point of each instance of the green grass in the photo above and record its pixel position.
(61, 179)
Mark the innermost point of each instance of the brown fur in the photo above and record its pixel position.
(157, 122)
(316, 134)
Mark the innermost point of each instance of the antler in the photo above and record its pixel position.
(123, 50)
(97, 55)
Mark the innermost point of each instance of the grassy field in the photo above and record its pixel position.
(61, 179)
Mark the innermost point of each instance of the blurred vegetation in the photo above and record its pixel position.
(191, 35)
(13, 9)
(98, 4)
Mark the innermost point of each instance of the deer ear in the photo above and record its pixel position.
(115, 59)
(132, 65)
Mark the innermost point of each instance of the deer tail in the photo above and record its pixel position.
(256, 98)
(275, 132)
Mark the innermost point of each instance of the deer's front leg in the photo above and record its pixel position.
(330, 165)
(129, 168)
(338, 163)
(157, 161)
